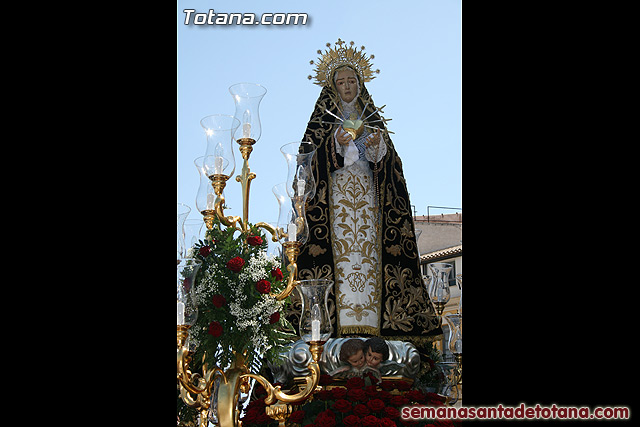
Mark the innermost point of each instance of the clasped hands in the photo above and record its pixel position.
(344, 138)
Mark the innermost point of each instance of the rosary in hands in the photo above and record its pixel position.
(344, 138)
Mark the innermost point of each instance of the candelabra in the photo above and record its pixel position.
(216, 167)
(439, 291)
(455, 341)
(440, 295)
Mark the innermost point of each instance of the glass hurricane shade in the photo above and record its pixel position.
(219, 156)
(300, 180)
(185, 295)
(205, 197)
(439, 289)
(247, 98)
(183, 212)
(292, 220)
(455, 332)
(315, 323)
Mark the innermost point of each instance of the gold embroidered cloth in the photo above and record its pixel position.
(354, 235)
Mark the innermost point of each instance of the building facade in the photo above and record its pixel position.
(440, 240)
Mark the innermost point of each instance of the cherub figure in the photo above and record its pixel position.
(352, 352)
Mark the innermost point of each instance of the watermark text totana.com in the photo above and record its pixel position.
(191, 17)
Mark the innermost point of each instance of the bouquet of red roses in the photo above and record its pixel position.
(234, 288)
(354, 405)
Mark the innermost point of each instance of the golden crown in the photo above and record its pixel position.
(340, 55)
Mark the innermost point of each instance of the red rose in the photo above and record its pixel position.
(263, 418)
(361, 410)
(388, 385)
(371, 391)
(342, 405)
(251, 416)
(258, 403)
(375, 405)
(384, 395)
(254, 240)
(355, 382)
(357, 394)
(391, 412)
(205, 251)
(296, 417)
(328, 413)
(235, 264)
(370, 421)
(218, 300)
(386, 422)
(339, 393)
(351, 421)
(276, 273)
(275, 317)
(398, 401)
(435, 399)
(416, 396)
(326, 419)
(215, 329)
(263, 286)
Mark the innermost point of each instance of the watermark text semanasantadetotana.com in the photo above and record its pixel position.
(212, 18)
(522, 412)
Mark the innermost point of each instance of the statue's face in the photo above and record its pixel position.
(357, 360)
(346, 84)
(373, 358)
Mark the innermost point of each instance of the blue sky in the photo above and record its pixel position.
(417, 47)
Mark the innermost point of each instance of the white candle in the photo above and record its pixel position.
(217, 169)
(315, 330)
(180, 313)
(301, 184)
(246, 130)
(291, 230)
(315, 323)
(211, 198)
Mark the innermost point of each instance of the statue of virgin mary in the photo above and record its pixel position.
(361, 232)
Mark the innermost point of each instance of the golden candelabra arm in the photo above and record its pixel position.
(236, 379)
(228, 392)
(279, 403)
(276, 232)
(276, 393)
(292, 250)
(196, 389)
(195, 383)
(245, 178)
(219, 181)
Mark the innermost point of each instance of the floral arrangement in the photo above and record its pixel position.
(235, 308)
(360, 403)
